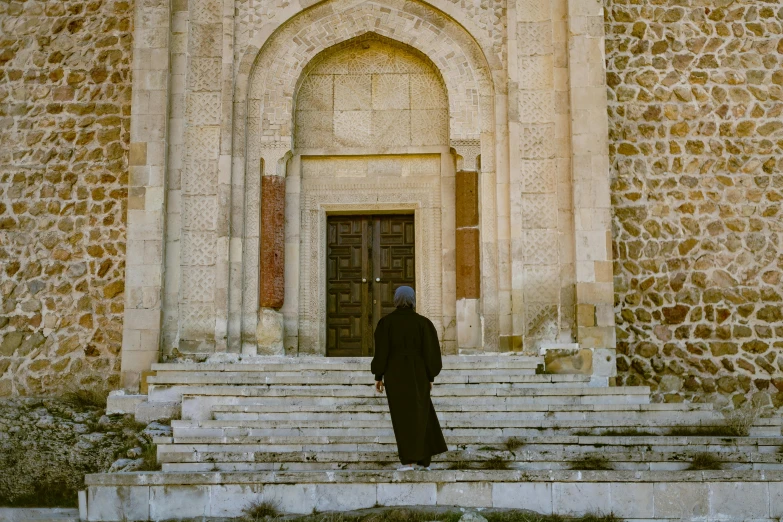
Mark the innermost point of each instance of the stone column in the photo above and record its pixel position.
(468, 250)
(146, 223)
(591, 178)
(269, 333)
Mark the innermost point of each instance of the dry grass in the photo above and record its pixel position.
(258, 511)
(591, 463)
(150, 455)
(86, 398)
(459, 465)
(705, 461)
(513, 444)
(741, 420)
(702, 431)
(630, 432)
(495, 463)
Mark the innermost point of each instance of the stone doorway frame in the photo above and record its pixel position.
(320, 200)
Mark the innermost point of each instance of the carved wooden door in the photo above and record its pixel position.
(368, 258)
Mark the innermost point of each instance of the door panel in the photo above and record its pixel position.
(380, 249)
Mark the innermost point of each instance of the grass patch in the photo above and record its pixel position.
(150, 455)
(495, 463)
(702, 431)
(591, 463)
(741, 420)
(459, 464)
(260, 511)
(513, 444)
(705, 461)
(630, 432)
(583, 433)
(86, 398)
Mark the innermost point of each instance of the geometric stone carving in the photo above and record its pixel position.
(205, 11)
(541, 321)
(538, 176)
(539, 211)
(535, 38)
(534, 10)
(198, 248)
(203, 108)
(536, 106)
(199, 212)
(200, 178)
(204, 74)
(537, 141)
(201, 284)
(371, 94)
(541, 284)
(536, 72)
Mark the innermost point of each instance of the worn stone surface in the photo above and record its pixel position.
(695, 103)
(64, 124)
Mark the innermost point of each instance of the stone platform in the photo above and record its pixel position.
(312, 434)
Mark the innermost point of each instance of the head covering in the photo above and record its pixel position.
(405, 297)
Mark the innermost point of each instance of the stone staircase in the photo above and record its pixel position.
(282, 426)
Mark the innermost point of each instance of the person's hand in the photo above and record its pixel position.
(379, 386)
(431, 385)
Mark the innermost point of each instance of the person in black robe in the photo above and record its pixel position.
(407, 360)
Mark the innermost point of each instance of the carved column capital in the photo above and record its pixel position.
(275, 154)
(467, 152)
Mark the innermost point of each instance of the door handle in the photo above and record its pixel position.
(377, 279)
(364, 280)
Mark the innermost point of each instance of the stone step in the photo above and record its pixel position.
(666, 418)
(351, 406)
(630, 495)
(630, 459)
(370, 435)
(343, 364)
(633, 465)
(352, 378)
(251, 452)
(630, 394)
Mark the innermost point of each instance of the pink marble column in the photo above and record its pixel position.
(272, 267)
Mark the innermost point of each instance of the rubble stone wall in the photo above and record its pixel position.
(65, 92)
(695, 93)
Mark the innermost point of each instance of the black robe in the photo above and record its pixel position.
(407, 358)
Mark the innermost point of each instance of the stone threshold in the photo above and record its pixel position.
(435, 476)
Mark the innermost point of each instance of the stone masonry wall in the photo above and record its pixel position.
(65, 92)
(696, 131)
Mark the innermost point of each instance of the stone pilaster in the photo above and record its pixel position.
(272, 270)
(591, 176)
(468, 260)
(146, 217)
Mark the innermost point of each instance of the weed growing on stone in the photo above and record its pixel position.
(86, 398)
(150, 455)
(513, 444)
(459, 464)
(495, 462)
(258, 511)
(591, 463)
(705, 461)
(630, 432)
(741, 420)
(702, 431)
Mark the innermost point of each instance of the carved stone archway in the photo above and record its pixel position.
(263, 125)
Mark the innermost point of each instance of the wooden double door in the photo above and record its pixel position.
(367, 259)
